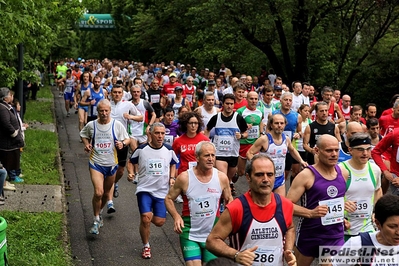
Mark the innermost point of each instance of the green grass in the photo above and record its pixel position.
(38, 162)
(35, 239)
(40, 110)
(45, 92)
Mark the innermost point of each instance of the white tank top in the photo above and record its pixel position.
(225, 137)
(137, 128)
(207, 116)
(69, 84)
(277, 153)
(203, 204)
(103, 142)
(269, 251)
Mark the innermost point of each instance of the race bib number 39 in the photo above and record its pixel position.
(363, 209)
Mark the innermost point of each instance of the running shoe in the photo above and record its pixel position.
(233, 189)
(95, 228)
(146, 254)
(9, 186)
(101, 223)
(110, 208)
(116, 190)
(17, 179)
(235, 178)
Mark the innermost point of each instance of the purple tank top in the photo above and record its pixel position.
(322, 189)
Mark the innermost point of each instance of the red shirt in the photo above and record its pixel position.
(189, 93)
(170, 88)
(387, 124)
(392, 139)
(262, 214)
(347, 115)
(387, 112)
(76, 74)
(239, 105)
(185, 147)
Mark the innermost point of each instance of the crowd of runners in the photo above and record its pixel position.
(187, 135)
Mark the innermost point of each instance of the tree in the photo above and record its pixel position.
(37, 24)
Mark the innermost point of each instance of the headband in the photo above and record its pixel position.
(357, 142)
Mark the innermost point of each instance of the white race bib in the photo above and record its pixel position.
(189, 97)
(253, 133)
(155, 98)
(155, 167)
(225, 143)
(168, 140)
(279, 166)
(104, 146)
(335, 212)
(268, 255)
(202, 207)
(363, 209)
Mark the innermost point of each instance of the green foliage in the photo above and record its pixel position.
(327, 42)
(43, 246)
(40, 26)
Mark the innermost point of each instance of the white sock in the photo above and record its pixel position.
(110, 201)
(97, 218)
(147, 245)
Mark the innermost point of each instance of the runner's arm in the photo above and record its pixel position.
(135, 114)
(211, 124)
(257, 146)
(86, 95)
(225, 184)
(172, 174)
(298, 187)
(297, 134)
(215, 242)
(180, 185)
(306, 138)
(337, 134)
(339, 113)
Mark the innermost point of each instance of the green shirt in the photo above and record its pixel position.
(253, 117)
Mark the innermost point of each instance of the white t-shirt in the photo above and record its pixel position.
(355, 243)
(154, 169)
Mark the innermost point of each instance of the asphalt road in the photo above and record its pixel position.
(119, 240)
